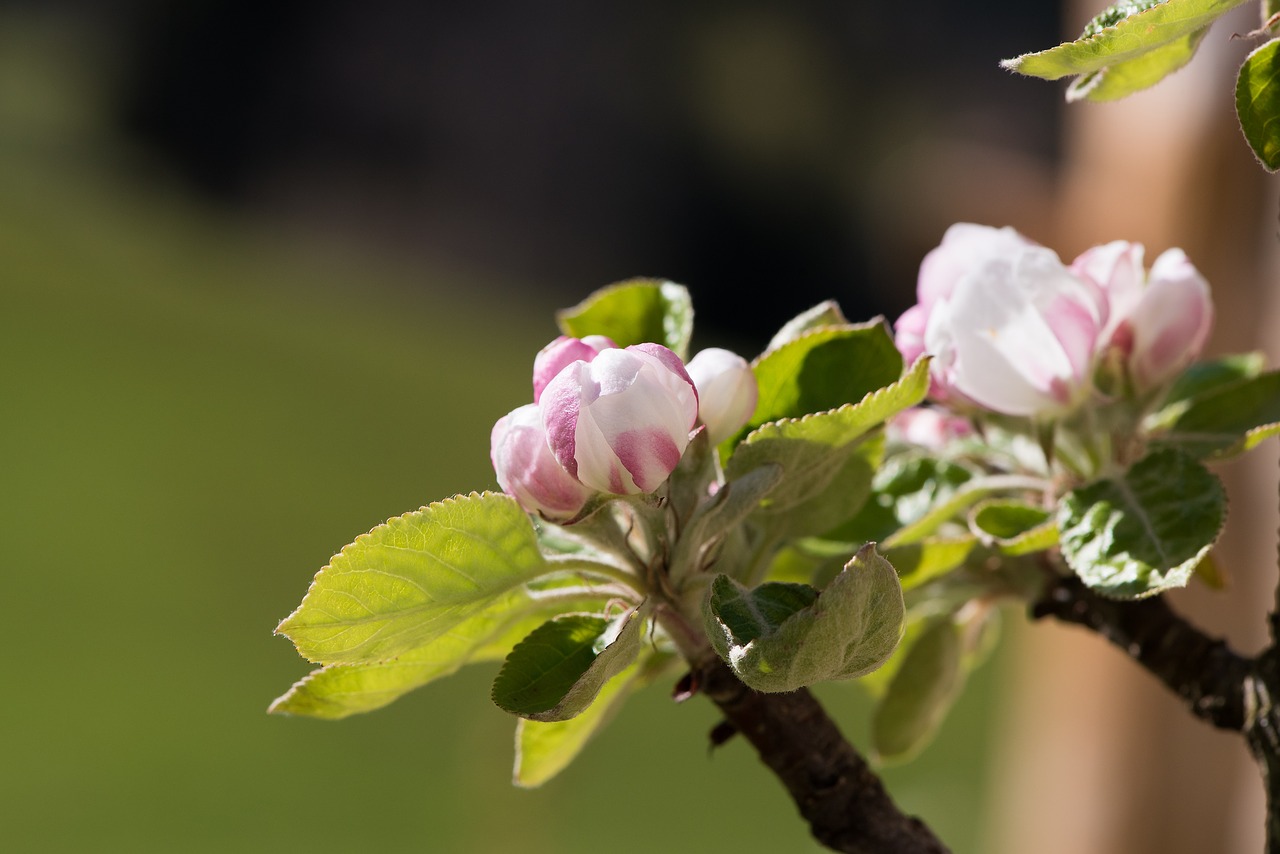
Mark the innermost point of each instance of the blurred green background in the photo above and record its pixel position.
(200, 407)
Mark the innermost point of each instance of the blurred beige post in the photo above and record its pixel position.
(1096, 756)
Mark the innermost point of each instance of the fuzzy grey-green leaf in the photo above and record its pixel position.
(780, 637)
(922, 690)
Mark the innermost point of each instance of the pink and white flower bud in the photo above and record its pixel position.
(620, 422)
(1011, 328)
(929, 428)
(1159, 323)
(528, 471)
(727, 391)
(564, 351)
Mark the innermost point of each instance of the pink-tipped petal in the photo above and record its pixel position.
(560, 353)
(528, 471)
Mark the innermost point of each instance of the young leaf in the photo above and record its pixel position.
(969, 494)
(1258, 103)
(545, 748)
(826, 469)
(824, 369)
(338, 690)
(635, 312)
(923, 688)
(821, 315)
(1122, 79)
(928, 559)
(1014, 527)
(414, 578)
(556, 672)
(1121, 34)
(903, 490)
(1142, 532)
(1203, 378)
(736, 500)
(1220, 419)
(780, 637)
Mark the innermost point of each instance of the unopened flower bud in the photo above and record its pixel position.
(563, 351)
(727, 391)
(1159, 322)
(620, 422)
(528, 471)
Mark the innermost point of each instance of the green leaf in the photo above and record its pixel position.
(557, 671)
(826, 468)
(1142, 532)
(338, 690)
(1204, 378)
(1122, 79)
(545, 748)
(959, 501)
(414, 578)
(903, 490)
(1014, 527)
(923, 688)
(824, 369)
(822, 315)
(928, 559)
(636, 311)
(780, 637)
(1129, 37)
(1220, 419)
(698, 545)
(1258, 103)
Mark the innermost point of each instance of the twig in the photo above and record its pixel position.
(843, 800)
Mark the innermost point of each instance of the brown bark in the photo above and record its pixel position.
(835, 790)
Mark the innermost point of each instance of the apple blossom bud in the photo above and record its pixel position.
(563, 351)
(1011, 328)
(929, 428)
(528, 471)
(727, 391)
(620, 422)
(1158, 323)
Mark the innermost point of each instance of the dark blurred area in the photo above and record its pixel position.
(739, 147)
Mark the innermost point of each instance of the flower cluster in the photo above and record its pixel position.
(607, 419)
(1014, 330)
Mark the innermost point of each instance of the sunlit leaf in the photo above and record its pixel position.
(1258, 103)
(545, 748)
(338, 690)
(826, 467)
(1122, 79)
(1122, 34)
(821, 315)
(414, 578)
(823, 369)
(636, 311)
